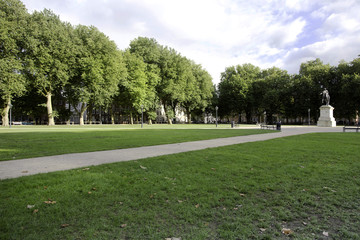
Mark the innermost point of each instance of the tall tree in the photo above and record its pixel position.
(276, 85)
(51, 52)
(133, 89)
(190, 87)
(171, 89)
(321, 77)
(149, 51)
(234, 87)
(99, 68)
(348, 75)
(198, 91)
(299, 97)
(13, 20)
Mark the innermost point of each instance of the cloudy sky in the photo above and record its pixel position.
(222, 33)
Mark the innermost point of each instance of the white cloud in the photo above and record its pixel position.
(220, 33)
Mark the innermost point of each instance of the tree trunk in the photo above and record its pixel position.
(68, 121)
(248, 116)
(112, 118)
(112, 115)
(131, 119)
(5, 114)
(82, 111)
(90, 115)
(51, 121)
(188, 115)
(150, 121)
(168, 119)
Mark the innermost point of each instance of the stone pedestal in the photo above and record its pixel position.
(326, 118)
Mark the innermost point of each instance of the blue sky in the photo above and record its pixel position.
(221, 33)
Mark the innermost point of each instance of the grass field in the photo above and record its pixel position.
(29, 141)
(308, 184)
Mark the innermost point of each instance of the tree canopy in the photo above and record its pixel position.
(50, 69)
(78, 68)
(50, 54)
(286, 96)
(13, 19)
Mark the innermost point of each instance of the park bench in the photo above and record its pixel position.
(351, 128)
(263, 126)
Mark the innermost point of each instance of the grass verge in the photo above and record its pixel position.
(308, 184)
(36, 142)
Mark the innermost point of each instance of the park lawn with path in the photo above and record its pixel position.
(308, 184)
(28, 142)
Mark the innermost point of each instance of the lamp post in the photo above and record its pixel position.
(309, 115)
(216, 108)
(142, 115)
(10, 105)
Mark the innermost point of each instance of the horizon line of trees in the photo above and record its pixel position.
(247, 89)
(49, 64)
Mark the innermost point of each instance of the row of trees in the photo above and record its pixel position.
(43, 59)
(250, 90)
(47, 65)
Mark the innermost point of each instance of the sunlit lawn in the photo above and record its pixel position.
(33, 141)
(308, 184)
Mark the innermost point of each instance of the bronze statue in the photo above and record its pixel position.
(325, 96)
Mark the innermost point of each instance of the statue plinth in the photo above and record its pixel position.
(326, 118)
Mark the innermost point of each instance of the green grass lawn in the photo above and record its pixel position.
(26, 142)
(309, 184)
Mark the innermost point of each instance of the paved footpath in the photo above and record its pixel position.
(31, 166)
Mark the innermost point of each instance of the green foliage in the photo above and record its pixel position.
(198, 91)
(13, 19)
(277, 85)
(234, 87)
(171, 89)
(136, 82)
(348, 87)
(82, 67)
(50, 50)
(50, 55)
(98, 70)
(148, 50)
(246, 89)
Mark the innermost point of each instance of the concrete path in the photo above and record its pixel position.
(31, 166)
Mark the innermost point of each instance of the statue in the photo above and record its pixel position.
(325, 97)
(326, 118)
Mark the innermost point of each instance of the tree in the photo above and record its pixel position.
(50, 49)
(299, 93)
(133, 89)
(321, 77)
(348, 74)
(199, 91)
(234, 89)
(276, 84)
(149, 51)
(13, 19)
(190, 87)
(171, 88)
(98, 70)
